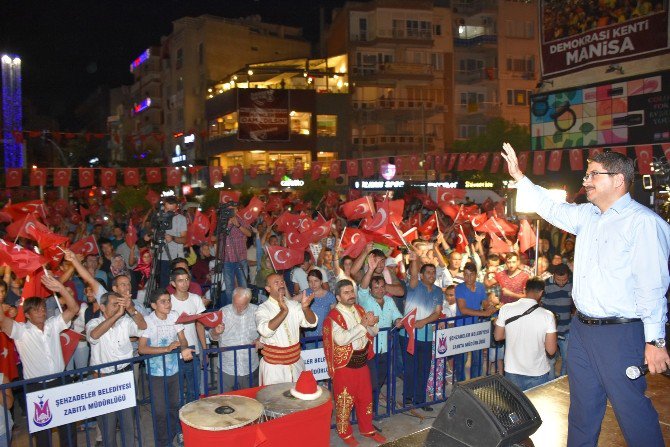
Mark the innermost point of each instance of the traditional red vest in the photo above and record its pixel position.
(338, 356)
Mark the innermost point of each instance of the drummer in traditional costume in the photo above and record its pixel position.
(348, 332)
(279, 320)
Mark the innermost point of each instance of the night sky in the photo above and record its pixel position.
(69, 48)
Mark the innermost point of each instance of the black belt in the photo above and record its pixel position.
(609, 320)
(358, 358)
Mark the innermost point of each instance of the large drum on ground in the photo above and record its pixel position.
(218, 413)
(278, 401)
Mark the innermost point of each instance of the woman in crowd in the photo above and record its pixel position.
(323, 302)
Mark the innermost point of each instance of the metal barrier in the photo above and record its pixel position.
(213, 374)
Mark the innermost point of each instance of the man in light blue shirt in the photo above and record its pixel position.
(372, 297)
(620, 281)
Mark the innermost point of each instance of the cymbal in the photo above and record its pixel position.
(223, 412)
(277, 399)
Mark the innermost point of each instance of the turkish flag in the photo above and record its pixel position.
(471, 162)
(107, 177)
(274, 203)
(69, 340)
(526, 236)
(304, 223)
(441, 162)
(8, 358)
(429, 162)
(153, 175)
(644, 155)
(85, 246)
(320, 231)
(413, 163)
(249, 214)
(621, 150)
(497, 225)
(461, 240)
(299, 169)
(429, 226)
(410, 235)
(60, 206)
(62, 177)
(538, 163)
(495, 163)
(497, 245)
(453, 158)
(334, 169)
(408, 323)
(283, 258)
(666, 150)
(478, 220)
(280, 172)
(482, 159)
(595, 151)
(86, 177)
(353, 194)
(173, 176)
(211, 319)
(131, 176)
(197, 231)
(415, 220)
(555, 160)
(358, 209)
(355, 248)
(451, 210)
(297, 240)
(400, 165)
(18, 228)
(332, 198)
(22, 262)
(253, 171)
(352, 167)
(462, 159)
(229, 195)
(523, 160)
(54, 255)
(428, 202)
(13, 177)
(316, 171)
(396, 209)
(33, 286)
(287, 222)
(368, 167)
(576, 160)
(215, 175)
(377, 223)
(44, 237)
(38, 177)
(131, 234)
(450, 195)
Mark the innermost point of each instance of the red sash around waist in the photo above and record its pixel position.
(276, 355)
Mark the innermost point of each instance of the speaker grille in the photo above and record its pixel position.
(501, 401)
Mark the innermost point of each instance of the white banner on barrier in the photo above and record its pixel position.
(65, 404)
(460, 339)
(315, 361)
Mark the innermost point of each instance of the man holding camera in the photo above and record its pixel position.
(175, 236)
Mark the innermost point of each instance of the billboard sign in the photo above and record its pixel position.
(623, 113)
(263, 114)
(577, 35)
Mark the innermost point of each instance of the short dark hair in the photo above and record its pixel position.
(33, 303)
(535, 284)
(377, 252)
(493, 257)
(316, 273)
(617, 163)
(175, 261)
(425, 266)
(157, 294)
(104, 240)
(3, 285)
(561, 270)
(170, 199)
(104, 298)
(178, 272)
(307, 258)
(345, 258)
(470, 267)
(342, 283)
(115, 281)
(450, 287)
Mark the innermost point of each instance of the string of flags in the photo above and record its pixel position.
(542, 161)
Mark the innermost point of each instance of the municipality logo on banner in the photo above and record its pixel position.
(42, 415)
(66, 404)
(460, 339)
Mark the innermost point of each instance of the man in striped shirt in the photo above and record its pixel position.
(558, 299)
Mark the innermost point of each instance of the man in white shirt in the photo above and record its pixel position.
(238, 328)
(109, 336)
(174, 239)
(38, 343)
(278, 321)
(191, 304)
(530, 339)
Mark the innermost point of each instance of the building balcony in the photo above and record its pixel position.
(392, 139)
(479, 108)
(483, 40)
(474, 76)
(472, 7)
(415, 36)
(396, 104)
(526, 75)
(394, 70)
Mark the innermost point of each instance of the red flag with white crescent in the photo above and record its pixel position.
(86, 177)
(8, 358)
(297, 240)
(283, 258)
(526, 236)
(249, 214)
(13, 177)
(358, 209)
(228, 195)
(215, 175)
(644, 155)
(555, 160)
(352, 167)
(153, 175)
(38, 177)
(539, 163)
(211, 319)
(576, 160)
(131, 176)
(62, 177)
(108, 177)
(85, 246)
(287, 222)
(461, 240)
(173, 176)
(69, 340)
(334, 169)
(408, 323)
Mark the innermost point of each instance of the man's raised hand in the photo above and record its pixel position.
(509, 155)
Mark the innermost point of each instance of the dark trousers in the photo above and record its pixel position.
(417, 369)
(164, 269)
(67, 434)
(107, 424)
(165, 398)
(599, 356)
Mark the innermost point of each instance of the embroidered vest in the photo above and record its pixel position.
(338, 356)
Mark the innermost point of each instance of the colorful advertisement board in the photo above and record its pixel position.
(624, 113)
(577, 34)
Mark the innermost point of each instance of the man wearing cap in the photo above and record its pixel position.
(279, 320)
(348, 332)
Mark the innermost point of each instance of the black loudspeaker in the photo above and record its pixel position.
(488, 412)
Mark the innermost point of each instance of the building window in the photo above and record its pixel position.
(517, 97)
(437, 61)
(179, 59)
(180, 84)
(525, 65)
(300, 122)
(437, 30)
(201, 53)
(223, 126)
(326, 125)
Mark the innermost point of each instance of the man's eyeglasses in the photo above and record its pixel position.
(590, 175)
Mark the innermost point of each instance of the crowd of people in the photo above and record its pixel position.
(352, 298)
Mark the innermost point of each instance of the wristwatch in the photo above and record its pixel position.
(659, 342)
